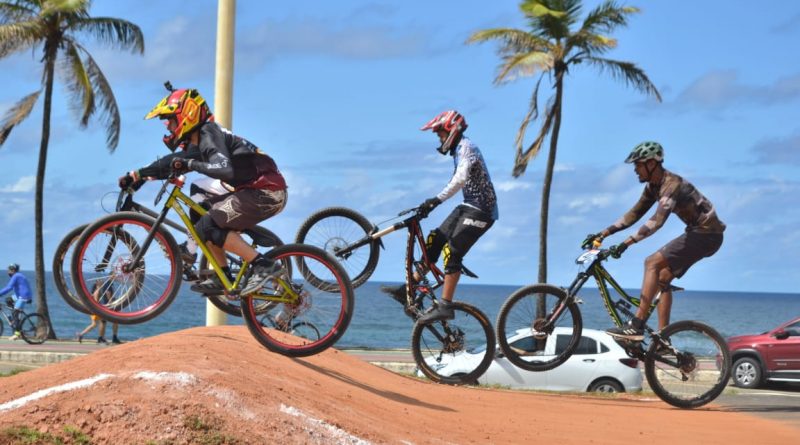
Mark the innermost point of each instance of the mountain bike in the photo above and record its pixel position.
(137, 257)
(687, 364)
(465, 344)
(34, 328)
(260, 236)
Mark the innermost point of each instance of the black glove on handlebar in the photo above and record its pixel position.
(588, 243)
(616, 251)
(426, 207)
(128, 179)
(180, 165)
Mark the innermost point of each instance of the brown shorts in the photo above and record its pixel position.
(689, 248)
(246, 208)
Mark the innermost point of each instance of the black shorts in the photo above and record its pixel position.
(245, 208)
(689, 248)
(462, 228)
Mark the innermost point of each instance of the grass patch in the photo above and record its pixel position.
(14, 371)
(28, 436)
(205, 431)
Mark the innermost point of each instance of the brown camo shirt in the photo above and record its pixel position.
(674, 195)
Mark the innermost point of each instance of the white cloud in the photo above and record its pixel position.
(25, 184)
(509, 186)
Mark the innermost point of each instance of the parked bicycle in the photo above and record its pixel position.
(687, 364)
(355, 242)
(34, 328)
(138, 255)
(259, 236)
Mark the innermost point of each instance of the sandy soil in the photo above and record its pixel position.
(165, 389)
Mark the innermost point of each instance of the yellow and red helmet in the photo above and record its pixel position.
(188, 108)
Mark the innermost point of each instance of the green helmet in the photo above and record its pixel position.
(646, 150)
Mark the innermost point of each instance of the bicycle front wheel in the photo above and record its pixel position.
(336, 228)
(61, 273)
(537, 328)
(693, 370)
(110, 285)
(307, 305)
(34, 329)
(457, 351)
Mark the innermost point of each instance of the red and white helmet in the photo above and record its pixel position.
(453, 123)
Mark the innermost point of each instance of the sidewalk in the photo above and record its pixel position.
(20, 355)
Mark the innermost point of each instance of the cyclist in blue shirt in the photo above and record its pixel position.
(22, 290)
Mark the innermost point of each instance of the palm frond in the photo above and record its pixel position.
(606, 17)
(627, 72)
(116, 33)
(522, 158)
(533, 114)
(15, 12)
(78, 83)
(520, 65)
(17, 114)
(514, 40)
(65, 7)
(19, 36)
(551, 19)
(109, 112)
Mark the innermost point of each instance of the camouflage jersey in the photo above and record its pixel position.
(674, 195)
(472, 177)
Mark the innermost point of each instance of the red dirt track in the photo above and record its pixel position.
(222, 375)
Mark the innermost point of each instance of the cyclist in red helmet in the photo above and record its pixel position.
(258, 188)
(469, 220)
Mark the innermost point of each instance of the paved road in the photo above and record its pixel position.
(776, 401)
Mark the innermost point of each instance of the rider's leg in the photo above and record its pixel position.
(652, 268)
(665, 301)
(449, 287)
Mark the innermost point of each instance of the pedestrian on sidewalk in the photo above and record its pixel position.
(106, 290)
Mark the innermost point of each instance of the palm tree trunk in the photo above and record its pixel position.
(41, 295)
(548, 179)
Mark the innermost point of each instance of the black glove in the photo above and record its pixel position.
(128, 179)
(180, 165)
(426, 207)
(588, 243)
(10, 301)
(616, 251)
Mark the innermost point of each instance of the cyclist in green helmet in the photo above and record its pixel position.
(702, 238)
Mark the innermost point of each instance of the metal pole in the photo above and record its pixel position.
(223, 99)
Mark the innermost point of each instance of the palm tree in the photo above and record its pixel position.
(550, 47)
(53, 26)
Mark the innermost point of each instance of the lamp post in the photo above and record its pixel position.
(223, 99)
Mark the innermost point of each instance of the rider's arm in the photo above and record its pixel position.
(9, 286)
(211, 156)
(634, 214)
(458, 180)
(665, 206)
(159, 169)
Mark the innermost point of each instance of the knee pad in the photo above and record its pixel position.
(208, 230)
(434, 244)
(452, 259)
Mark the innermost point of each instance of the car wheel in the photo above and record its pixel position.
(747, 373)
(606, 385)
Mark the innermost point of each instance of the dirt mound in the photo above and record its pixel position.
(187, 386)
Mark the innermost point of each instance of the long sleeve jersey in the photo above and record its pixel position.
(472, 177)
(20, 285)
(674, 195)
(222, 155)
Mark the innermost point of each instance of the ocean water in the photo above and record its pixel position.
(379, 322)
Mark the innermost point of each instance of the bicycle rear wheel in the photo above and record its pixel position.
(34, 329)
(457, 351)
(328, 312)
(537, 329)
(135, 292)
(61, 273)
(333, 229)
(694, 371)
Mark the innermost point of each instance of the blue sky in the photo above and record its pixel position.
(336, 93)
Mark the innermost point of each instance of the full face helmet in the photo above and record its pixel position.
(644, 151)
(453, 123)
(188, 109)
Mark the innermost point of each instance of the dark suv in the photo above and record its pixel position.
(773, 355)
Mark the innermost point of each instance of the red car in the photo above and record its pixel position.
(773, 356)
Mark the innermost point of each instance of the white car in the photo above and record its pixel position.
(598, 364)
